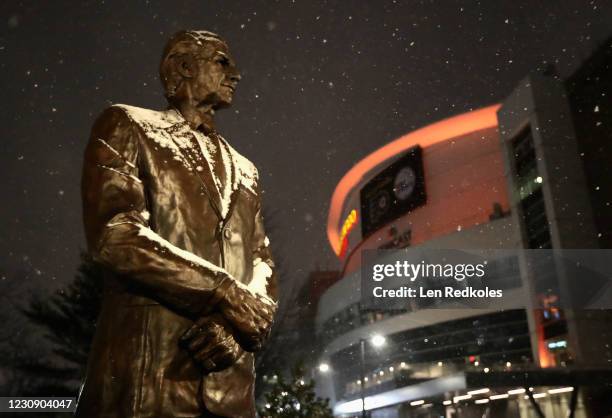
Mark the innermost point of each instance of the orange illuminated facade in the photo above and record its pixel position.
(464, 178)
(448, 131)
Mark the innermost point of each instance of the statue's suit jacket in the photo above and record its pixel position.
(154, 215)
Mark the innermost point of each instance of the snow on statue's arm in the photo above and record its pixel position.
(117, 228)
(264, 275)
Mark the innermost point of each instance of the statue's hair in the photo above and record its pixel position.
(183, 42)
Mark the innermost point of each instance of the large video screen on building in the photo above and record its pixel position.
(394, 191)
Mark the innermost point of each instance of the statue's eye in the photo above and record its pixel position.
(223, 61)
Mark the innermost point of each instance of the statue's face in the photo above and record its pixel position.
(216, 76)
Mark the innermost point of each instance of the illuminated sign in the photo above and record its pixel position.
(394, 191)
(348, 225)
(557, 344)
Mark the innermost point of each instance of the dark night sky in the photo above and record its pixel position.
(324, 83)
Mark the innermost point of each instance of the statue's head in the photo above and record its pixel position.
(197, 66)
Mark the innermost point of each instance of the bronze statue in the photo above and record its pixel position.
(174, 213)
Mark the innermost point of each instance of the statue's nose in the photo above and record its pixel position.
(236, 77)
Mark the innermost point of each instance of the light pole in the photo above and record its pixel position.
(377, 341)
(362, 365)
(323, 368)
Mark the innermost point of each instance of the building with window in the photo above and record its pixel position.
(532, 172)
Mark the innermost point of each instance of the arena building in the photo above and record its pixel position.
(532, 172)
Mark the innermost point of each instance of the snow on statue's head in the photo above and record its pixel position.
(186, 43)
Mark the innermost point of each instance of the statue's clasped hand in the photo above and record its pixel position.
(216, 341)
(211, 344)
(250, 315)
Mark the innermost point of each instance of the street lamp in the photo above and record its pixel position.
(377, 341)
(323, 367)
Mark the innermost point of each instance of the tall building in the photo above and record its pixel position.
(532, 172)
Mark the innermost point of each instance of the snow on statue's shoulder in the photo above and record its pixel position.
(160, 119)
(167, 128)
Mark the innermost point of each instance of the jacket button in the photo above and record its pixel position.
(227, 233)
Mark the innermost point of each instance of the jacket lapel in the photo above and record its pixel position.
(184, 138)
(233, 179)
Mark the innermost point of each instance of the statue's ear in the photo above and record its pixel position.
(185, 65)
